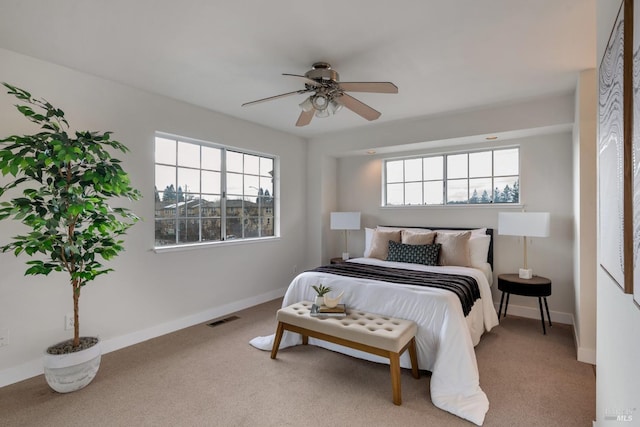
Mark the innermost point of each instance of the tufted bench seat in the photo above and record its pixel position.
(369, 332)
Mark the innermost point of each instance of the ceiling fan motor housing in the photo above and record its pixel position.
(322, 71)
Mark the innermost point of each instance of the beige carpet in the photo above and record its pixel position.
(204, 376)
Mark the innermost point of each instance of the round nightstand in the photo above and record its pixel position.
(537, 286)
(337, 260)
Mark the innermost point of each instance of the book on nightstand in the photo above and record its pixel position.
(323, 311)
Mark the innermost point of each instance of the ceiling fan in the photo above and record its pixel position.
(329, 94)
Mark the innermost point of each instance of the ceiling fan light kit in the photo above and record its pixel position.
(322, 113)
(320, 101)
(306, 105)
(329, 94)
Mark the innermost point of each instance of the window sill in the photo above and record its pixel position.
(208, 245)
(461, 206)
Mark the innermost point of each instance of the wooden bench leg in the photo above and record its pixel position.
(276, 340)
(414, 358)
(394, 363)
(305, 340)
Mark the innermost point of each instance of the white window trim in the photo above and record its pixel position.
(446, 205)
(214, 243)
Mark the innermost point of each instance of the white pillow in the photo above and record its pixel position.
(368, 237)
(479, 249)
(488, 272)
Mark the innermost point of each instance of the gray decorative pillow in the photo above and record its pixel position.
(455, 248)
(410, 237)
(380, 243)
(414, 254)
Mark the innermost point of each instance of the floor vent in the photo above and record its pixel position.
(221, 321)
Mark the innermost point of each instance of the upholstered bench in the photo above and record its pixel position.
(369, 332)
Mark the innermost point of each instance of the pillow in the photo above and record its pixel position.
(474, 232)
(479, 250)
(380, 243)
(433, 252)
(368, 237)
(412, 237)
(487, 270)
(384, 228)
(455, 248)
(414, 254)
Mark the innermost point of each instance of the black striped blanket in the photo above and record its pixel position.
(465, 287)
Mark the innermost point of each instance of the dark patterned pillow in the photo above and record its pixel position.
(433, 252)
(414, 254)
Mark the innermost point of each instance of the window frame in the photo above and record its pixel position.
(444, 180)
(224, 240)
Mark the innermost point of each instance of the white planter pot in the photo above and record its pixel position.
(70, 372)
(319, 301)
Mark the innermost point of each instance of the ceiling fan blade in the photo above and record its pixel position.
(305, 118)
(358, 107)
(376, 87)
(306, 79)
(271, 98)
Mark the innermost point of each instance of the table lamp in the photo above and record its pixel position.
(525, 224)
(345, 221)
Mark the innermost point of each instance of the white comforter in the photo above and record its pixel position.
(444, 339)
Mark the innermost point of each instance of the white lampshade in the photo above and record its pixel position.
(525, 224)
(345, 220)
(529, 224)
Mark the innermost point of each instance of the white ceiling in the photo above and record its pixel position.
(444, 55)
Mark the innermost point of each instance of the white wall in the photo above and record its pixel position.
(546, 176)
(618, 318)
(585, 218)
(542, 127)
(149, 293)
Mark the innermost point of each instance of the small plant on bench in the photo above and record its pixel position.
(321, 290)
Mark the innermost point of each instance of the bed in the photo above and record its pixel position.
(448, 329)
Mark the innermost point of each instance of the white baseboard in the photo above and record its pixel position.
(584, 354)
(34, 367)
(21, 372)
(587, 355)
(534, 313)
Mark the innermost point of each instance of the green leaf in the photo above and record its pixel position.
(67, 179)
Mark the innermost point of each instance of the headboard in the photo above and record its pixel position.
(489, 233)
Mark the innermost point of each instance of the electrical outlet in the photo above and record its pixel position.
(68, 321)
(4, 337)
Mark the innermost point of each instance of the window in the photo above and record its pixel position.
(208, 193)
(480, 177)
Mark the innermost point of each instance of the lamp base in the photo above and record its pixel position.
(345, 255)
(526, 273)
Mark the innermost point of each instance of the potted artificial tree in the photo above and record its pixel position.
(67, 180)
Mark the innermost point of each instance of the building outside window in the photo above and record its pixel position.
(209, 193)
(470, 178)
